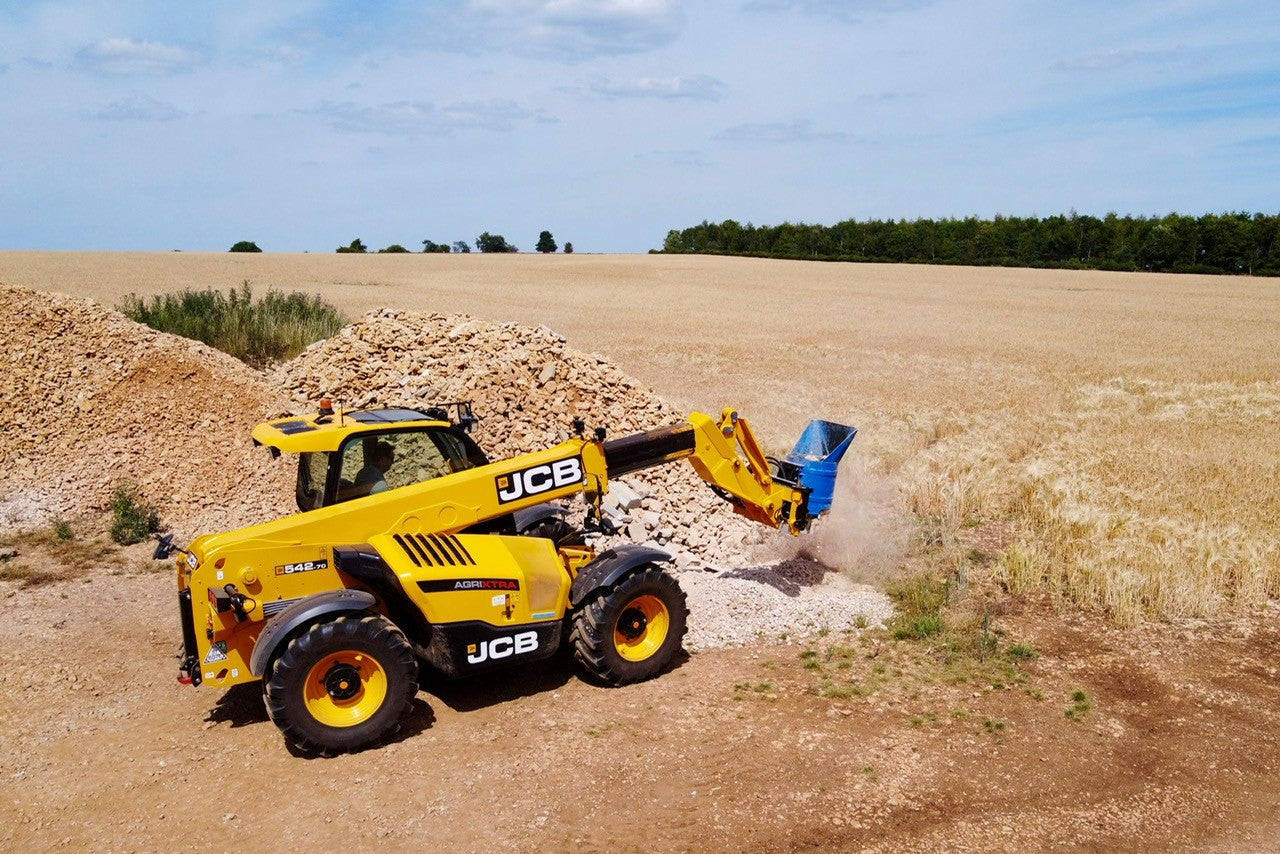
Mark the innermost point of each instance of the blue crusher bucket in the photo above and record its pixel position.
(817, 454)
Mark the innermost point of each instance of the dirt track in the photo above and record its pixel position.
(732, 750)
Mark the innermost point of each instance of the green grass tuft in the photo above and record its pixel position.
(62, 531)
(132, 518)
(919, 603)
(258, 332)
(1079, 707)
(1022, 652)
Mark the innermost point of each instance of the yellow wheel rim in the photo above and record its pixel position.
(345, 688)
(641, 628)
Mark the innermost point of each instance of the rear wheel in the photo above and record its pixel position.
(341, 684)
(556, 529)
(630, 631)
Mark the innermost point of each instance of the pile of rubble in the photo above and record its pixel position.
(527, 385)
(91, 400)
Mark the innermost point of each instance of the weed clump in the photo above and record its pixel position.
(62, 531)
(1022, 652)
(258, 332)
(132, 518)
(919, 603)
(1079, 707)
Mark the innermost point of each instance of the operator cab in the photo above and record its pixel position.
(343, 456)
(373, 462)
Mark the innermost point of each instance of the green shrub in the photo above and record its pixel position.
(132, 518)
(245, 246)
(62, 531)
(356, 247)
(394, 248)
(276, 327)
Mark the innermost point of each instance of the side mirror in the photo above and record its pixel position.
(164, 547)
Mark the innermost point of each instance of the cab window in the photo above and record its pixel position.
(313, 472)
(374, 463)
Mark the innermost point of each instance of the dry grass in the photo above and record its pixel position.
(1123, 424)
(52, 555)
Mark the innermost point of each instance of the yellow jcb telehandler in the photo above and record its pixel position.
(411, 548)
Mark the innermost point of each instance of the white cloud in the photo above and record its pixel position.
(131, 58)
(280, 54)
(139, 108)
(580, 29)
(779, 132)
(1112, 59)
(420, 118)
(699, 88)
(676, 157)
(841, 10)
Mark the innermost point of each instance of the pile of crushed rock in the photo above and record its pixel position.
(527, 385)
(92, 400)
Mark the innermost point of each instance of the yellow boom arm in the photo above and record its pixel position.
(726, 454)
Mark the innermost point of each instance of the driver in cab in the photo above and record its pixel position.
(372, 479)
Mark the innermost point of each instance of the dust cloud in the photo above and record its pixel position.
(865, 535)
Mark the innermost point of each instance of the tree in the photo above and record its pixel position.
(394, 248)
(355, 247)
(568, 249)
(546, 243)
(487, 242)
(461, 246)
(245, 246)
(432, 246)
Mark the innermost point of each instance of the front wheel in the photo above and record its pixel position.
(342, 684)
(630, 631)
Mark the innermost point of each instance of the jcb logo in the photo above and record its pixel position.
(502, 647)
(538, 479)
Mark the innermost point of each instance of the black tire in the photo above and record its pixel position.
(340, 710)
(557, 530)
(606, 617)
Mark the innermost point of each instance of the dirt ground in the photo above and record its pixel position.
(1152, 398)
(849, 741)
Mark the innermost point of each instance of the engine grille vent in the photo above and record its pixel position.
(432, 550)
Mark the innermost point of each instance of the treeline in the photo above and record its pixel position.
(486, 242)
(1232, 243)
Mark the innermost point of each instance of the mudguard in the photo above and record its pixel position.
(306, 610)
(611, 565)
(531, 516)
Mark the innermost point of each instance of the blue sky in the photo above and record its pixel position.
(303, 124)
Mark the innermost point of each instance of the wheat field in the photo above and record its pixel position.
(1123, 427)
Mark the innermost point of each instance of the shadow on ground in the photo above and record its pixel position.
(787, 577)
(503, 686)
(240, 705)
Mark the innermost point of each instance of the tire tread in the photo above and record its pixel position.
(591, 636)
(396, 659)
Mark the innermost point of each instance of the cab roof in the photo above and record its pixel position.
(314, 432)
